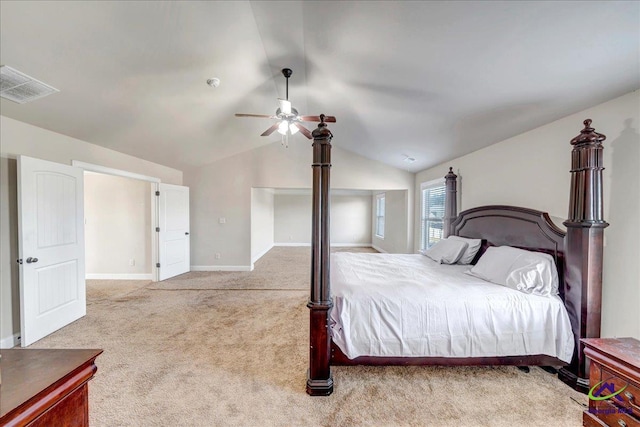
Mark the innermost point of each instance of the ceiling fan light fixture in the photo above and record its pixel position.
(289, 120)
(283, 127)
(285, 106)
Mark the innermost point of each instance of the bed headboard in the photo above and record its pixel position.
(513, 226)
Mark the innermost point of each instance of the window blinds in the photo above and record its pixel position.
(380, 216)
(432, 214)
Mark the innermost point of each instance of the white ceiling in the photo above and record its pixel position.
(429, 80)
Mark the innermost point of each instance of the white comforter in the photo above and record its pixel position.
(408, 305)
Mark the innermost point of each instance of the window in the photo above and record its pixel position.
(380, 216)
(431, 213)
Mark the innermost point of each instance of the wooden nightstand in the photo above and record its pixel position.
(615, 369)
(42, 388)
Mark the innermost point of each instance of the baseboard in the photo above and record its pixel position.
(336, 245)
(379, 249)
(100, 276)
(261, 254)
(10, 341)
(221, 267)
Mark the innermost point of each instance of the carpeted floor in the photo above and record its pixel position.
(281, 268)
(238, 357)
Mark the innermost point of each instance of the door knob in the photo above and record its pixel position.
(30, 260)
(186, 234)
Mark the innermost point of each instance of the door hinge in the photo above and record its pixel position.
(157, 193)
(19, 261)
(158, 264)
(158, 229)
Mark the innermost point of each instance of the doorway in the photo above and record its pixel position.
(51, 238)
(134, 184)
(118, 227)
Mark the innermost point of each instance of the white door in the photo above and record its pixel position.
(50, 247)
(173, 234)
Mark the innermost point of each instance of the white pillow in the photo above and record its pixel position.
(534, 273)
(495, 264)
(471, 251)
(525, 271)
(446, 251)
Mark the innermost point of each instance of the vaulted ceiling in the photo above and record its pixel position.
(429, 80)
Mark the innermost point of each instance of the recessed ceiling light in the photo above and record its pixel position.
(213, 82)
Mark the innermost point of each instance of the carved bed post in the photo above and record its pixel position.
(583, 249)
(319, 379)
(450, 202)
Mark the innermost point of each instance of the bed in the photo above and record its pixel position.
(573, 314)
(430, 309)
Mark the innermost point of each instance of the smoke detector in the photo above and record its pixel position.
(21, 88)
(213, 82)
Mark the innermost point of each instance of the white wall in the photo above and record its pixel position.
(223, 189)
(532, 170)
(9, 272)
(22, 138)
(18, 138)
(350, 219)
(395, 222)
(117, 213)
(262, 202)
(292, 219)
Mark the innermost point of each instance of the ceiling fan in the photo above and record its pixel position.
(288, 118)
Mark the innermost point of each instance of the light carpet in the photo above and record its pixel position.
(283, 267)
(239, 358)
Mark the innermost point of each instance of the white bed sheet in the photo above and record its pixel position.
(399, 305)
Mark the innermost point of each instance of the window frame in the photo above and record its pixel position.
(424, 221)
(380, 200)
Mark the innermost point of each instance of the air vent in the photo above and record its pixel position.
(18, 87)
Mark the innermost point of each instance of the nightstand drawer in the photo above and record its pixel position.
(629, 399)
(613, 415)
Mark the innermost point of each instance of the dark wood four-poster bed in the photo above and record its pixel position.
(576, 255)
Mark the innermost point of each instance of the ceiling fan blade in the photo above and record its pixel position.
(327, 119)
(270, 130)
(303, 130)
(262, 116)
(285, 106)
